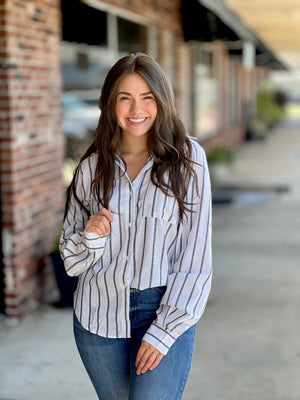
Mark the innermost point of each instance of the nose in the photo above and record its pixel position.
(134, 106)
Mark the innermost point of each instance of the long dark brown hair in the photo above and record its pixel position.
(167, 142)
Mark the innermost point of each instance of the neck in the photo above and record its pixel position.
(136, 145)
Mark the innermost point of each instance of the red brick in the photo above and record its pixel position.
(31, 181)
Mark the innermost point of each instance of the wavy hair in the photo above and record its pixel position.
(167, 141)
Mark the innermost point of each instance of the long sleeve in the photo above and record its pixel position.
(80, 250)
(189, 280)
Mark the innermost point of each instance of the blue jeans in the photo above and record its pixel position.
(110, 363)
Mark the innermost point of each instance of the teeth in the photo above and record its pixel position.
(136, 120)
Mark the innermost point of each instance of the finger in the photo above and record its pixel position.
(156, 362)
(105, 226)
(97, 219)
(146, 362)
(95, 229)
(98, 226)
(106, 213)
(145, 347)
(147, 357)
(140, 354)
(101, 222)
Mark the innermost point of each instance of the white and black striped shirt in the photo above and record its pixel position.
(147, 247)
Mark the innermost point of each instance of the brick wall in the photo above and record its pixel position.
(32, 147)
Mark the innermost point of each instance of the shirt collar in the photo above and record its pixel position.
(146, 167)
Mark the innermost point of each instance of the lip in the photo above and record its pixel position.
(136, 121)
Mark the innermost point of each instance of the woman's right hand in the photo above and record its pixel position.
(100, 222)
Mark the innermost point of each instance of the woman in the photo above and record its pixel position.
(137, 231)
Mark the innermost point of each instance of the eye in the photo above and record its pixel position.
(149, 97)
(124, 98)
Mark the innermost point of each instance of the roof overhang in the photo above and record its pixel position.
(211, 20)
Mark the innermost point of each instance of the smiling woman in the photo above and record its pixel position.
(136, 109)
(137, 232)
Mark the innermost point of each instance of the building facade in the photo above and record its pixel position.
(54, 56)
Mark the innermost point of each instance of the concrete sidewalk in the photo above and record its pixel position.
(247, 344)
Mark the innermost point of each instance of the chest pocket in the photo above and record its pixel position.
(155, 204)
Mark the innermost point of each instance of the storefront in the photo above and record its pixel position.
(55, 55)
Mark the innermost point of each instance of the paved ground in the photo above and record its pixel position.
(248, 341)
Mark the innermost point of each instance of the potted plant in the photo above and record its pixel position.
(257, 129)
(219, 158)
(270, 110)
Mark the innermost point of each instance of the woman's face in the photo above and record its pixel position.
(136, 108)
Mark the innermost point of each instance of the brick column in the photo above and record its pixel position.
(32, 147)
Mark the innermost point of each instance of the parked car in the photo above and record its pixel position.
(80, 118)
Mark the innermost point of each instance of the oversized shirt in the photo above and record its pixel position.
(148, 247)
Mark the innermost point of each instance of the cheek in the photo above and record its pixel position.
(153, 110)
(119, 110)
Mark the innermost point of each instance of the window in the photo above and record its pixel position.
(83, 24)
(132, 37)
(206, 90)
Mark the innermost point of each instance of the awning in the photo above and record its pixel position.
(204, 24)
(211, 20)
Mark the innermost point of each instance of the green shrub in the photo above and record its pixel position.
(219, 154)
(269, 111)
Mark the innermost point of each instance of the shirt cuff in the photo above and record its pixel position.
(92, 241)
(159, 338)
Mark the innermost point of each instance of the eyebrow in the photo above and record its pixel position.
(129, 94)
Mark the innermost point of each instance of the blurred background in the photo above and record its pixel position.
(235, 70)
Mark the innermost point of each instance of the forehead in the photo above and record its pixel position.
(133, 83)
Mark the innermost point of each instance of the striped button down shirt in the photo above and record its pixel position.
(148, 247)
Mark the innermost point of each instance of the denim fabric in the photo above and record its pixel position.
(110, 363)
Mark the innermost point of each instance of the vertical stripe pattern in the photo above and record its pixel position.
(147, 247)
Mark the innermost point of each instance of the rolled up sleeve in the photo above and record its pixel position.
(79, 249)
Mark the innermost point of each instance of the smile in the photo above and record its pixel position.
(137, 120)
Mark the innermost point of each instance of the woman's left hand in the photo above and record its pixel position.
(148, 357)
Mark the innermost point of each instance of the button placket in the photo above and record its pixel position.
(130, 219)
(131, 228)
